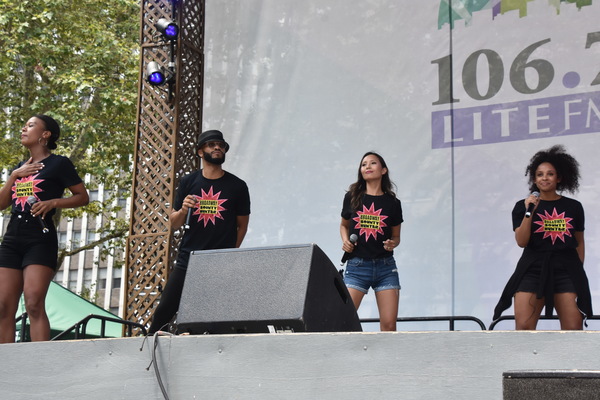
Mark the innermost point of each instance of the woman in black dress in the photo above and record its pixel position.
(550, 271)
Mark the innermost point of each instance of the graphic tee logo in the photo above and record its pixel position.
(25, 187)
(370, 222)
(208, 206)
(554, 225)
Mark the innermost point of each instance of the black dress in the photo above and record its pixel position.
(552, 245)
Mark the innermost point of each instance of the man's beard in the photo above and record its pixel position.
(209, 158)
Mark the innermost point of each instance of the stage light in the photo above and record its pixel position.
(168, 28)
(154, 74)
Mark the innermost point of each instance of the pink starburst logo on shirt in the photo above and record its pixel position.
(554, 225)
(370, 222)
(25, 187)
(208, 206)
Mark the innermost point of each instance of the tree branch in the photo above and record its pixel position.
(62, 254)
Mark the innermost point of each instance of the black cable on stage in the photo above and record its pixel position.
(153, 360)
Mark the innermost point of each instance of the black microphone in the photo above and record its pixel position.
(187, 219)
(32, 200)
(353, 239)
(531, 206)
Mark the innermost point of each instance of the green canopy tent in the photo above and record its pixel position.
(65, 309)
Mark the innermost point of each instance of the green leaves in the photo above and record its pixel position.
(76, 60)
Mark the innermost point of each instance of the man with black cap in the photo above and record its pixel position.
(218, 203)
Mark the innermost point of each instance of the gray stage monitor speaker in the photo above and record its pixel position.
(265, 290)
(551, 385)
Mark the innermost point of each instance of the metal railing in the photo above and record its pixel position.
(542, 317)
(79, 329)
(23, 330)
(450, 318)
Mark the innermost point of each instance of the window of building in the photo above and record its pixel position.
(102, 278)
(62, 240)
(76, 239)
(122, 202)
(87, 278)
(91, 236)
(72, 284)
(94, 195)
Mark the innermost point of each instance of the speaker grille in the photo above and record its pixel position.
(264, 289)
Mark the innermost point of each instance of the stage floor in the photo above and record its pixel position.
(400, 365)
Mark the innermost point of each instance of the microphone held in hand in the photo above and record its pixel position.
(187, 219)
(353, 238)
(531, 206)
(32, 200)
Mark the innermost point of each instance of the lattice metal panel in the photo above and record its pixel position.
(190, 82)
(167, 128)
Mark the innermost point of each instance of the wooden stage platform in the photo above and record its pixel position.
(401, 365)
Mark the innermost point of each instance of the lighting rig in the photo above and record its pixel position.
(155, 75)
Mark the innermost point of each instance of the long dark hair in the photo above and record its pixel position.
(358, 189)
(567, 168)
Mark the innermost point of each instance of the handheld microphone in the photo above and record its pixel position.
(32, 200)
(186, 226)
(531, 206)
(353, 239)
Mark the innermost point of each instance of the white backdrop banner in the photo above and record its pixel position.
(455, 95)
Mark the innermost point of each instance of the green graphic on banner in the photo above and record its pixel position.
(454, 10)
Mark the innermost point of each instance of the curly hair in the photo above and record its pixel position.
(358, 189)
(567, 168)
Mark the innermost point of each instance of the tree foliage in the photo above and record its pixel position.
(76, 60)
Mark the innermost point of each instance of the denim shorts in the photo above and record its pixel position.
(378, 273)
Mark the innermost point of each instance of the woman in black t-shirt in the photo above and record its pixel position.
(29, 249)
(372, 213)
(550, 228)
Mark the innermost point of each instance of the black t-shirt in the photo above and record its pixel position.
(49, 183)
(213, 224)
(372, 223)
(553, 224)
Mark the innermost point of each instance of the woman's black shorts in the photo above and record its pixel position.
(25, 244)
(531, 280)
